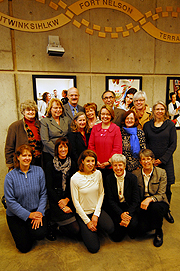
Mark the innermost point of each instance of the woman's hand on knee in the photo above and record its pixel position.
(91, 226)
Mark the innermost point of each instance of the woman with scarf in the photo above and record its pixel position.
(24, 131)
(133, 140)
(58, 173)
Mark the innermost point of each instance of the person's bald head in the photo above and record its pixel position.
(73, 96)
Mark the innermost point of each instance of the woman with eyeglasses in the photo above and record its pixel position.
(161, 139)
(141, 109)
(24, 131)
(53, 126)
(105, 140)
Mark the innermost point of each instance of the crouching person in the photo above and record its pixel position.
(123, 199)
(152, 183)
(25, 194)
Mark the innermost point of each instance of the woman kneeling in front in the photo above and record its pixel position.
(25, 194)
(87, 194)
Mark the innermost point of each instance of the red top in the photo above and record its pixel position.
(34, 129)
(105, 143)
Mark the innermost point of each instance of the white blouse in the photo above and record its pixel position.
(87, 193)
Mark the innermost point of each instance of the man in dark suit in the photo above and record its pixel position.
(123, 198)
(108, 97)
(72, 107)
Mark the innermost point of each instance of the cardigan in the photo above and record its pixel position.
(16, 136)
(55, 191)
(25, 193)
(51, 131)
(162, 141)
(87, 194)
(132, 163)
(77, 144)
(105, 145)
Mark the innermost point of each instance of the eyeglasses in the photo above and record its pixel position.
(110, 97)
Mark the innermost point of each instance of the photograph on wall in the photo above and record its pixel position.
(121, 85)
(173, 99)
(46, 87)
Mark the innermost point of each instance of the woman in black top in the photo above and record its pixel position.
(58, 173)
(161, 138)
(79, 135)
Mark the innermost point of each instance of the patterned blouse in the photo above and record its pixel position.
(131, 162)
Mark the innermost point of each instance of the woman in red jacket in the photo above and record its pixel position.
(105, 140)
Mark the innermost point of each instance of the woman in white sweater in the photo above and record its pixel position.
(87, 194)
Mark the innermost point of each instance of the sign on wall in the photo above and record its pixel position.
(139, 22)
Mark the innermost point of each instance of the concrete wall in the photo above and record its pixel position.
(88, 57)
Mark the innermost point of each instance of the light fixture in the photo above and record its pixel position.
(54, 47)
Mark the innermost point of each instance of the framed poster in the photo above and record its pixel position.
(121, 84)
(173, 99)
(46, 87)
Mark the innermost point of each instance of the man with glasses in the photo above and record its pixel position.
(108, 98)
(154, 205)
(72, 107)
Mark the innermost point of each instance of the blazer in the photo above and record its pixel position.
(157, 184)
(77, 144)
(68, 112)
(119, 113)
(51, 131)
(131, 194)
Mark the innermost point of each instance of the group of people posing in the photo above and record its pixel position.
(109, 170)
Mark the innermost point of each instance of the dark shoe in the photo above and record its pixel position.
(51, 236)
(169, 217)
(158, 239)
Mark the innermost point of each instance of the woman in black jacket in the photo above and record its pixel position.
(58, 173)
(79, 135)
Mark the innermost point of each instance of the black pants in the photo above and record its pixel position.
(152, 218)
(120, 231)
(89, 237)
(23, 234)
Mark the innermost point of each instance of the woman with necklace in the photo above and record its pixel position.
(58, 173)
(161, 138)
(105, 140)
(26, 199)
(133, 140)
(79, 135)
(87, 194)
(53, 126)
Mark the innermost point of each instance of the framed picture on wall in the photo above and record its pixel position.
(46, 87)
(121, 84)
(173, 99)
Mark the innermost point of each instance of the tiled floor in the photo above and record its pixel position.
(66, 255)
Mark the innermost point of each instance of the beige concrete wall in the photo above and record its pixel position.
(88, 57)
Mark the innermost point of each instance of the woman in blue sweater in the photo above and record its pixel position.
(26, 198)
